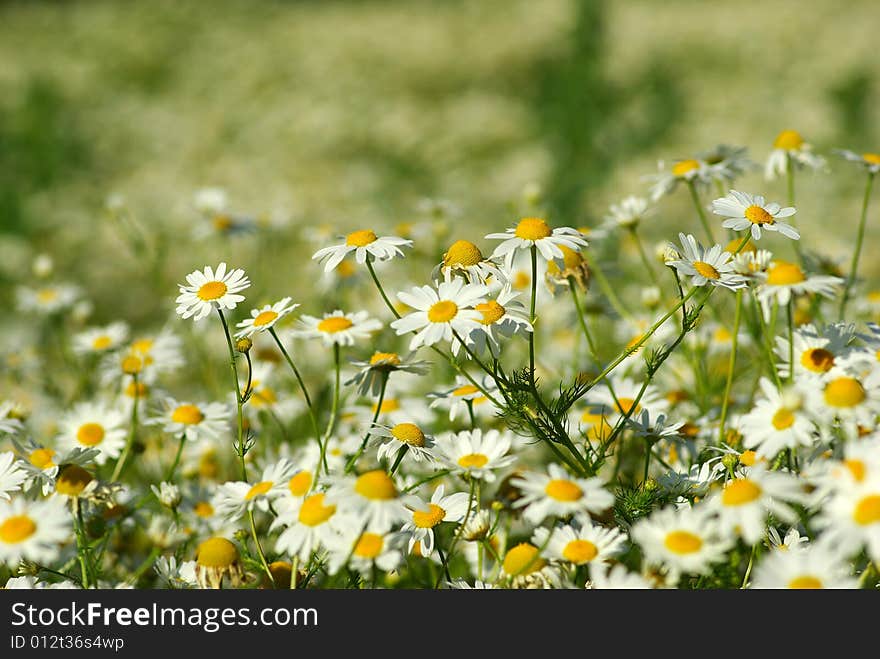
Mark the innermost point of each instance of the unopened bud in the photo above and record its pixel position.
(243, 345)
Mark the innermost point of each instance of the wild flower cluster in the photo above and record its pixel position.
(477, 426)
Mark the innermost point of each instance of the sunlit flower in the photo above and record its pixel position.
(475, 453)
(364, 243)
(580, 543)
(465, 259)
(210, 289)
(264, 318)
(362, 550)
(557, 493)
(745, 211)
(32, 530)
(785, 279)
(502, 317)
(706, 266)
(338, 327)
(534, 231)
(815, 566)
(441, 313)
(381, 365)
(776, 422)
(466, 397)
(689, 170)
(393, 439)
(11, 475)
(441, 508)
(311, 522)
(789, 144)
(233, 499)
(48, 299)
(197, 420)
(94, 426)
(99, 340)
(373, 499)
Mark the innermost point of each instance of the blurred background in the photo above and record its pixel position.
(317, 117)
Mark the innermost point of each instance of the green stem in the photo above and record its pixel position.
(302, 384)
(176, 462)
(334, 412)
(645, 260)
(860, 236)
(765, 340)
(381, 290)
(702, 213)
(353, 459)
(129, 442)
(82, 548)
(607, 289)
(725, 401)
(398, 459)
(459, 531)
(533, 251)
(790, 341)
(239, 403)
(259, 547)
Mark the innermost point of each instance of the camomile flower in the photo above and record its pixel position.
(815, 352)
(11, 475)
(197, 420)
(461, 584)
(559, 494)
(791, 541)
(581, 543)
(338, 327)
(381, 365)
(100, 340)
(218, 558)
(441, 508)
(441, 313)
(776, 422)
(465, 259)
(210, 289)
(851, 518)
(870, 161)
(28, 582)
(9, 424)
(574, 267)
(372, 498)
(744, 503)
(41, 464)
(628, 213)
(683, 540)
(233, 499)
(393, 439)
(94, 426)
(49, 299)
(33, 530)
(818, 565)
(475, 453)
(745, 211)
(362, 550)
(264, 318)
(785, 279)
(654, 427)
(502, 317)
(789, 144)
(535, 232)
(725, 162)
(365, 244)
(463, 395)
(173, 575)
(852, 400)
(147, 356)
(312, 523)
(706, 266)
(691, 170)
(606, 577)
(751, 264)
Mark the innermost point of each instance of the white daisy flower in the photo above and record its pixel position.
(816, 566)
(785, 279)
(264, 318)
(870, 161)
(441, 508)
(725, 162)
(154, 355)
(790, 144)
(744, 503)
(475, 453)
(338, 327)
(312, 523)
(558, 494)
(42, 464)
(606, 577)
(465, 259)
(791, 541)
(94, 426)
(683, 540)
(9, 425)
(372, 498)
(380, 365)
(461, 584)
(504, 316)
(233, 499)
(815, 351)
(11, 475)
(581, 543)
(628, 213)
(210, 289)
(851, 518)
(48, 299)
(465, 393)
(745, 211)
(687, 170)
(706, 266)
(197, 420)
(393, 439)
(776, 422)
(361, 551)
(534, 231)
(364, 243)
(33, 530)
(172, 575)
(441, 312)
(100, 340)
(840, 395)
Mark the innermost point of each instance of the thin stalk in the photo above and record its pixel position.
(725, 401)
(302, 384)
(120, 463)
(607, 289)
(459, 531)
(533, 252)
(860, 236)
(645, 260)
(700, 211)
(259, 547)
(381, 290)
(239, 403)
(790, 341)
(334, 412)
(765, 341)
(177, 455)
(353, 459)
(398, 459)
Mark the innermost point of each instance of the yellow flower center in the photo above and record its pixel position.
(683, 542)
(570, 257)
(142, 346)
(844, 392)
(442, 311)
(465, 390)
(788, 140)
(212, 290)
(563, 490)
(734, 244)
(217, 552)
(222, 222)
(521, 280)
(203, 509)
(523, 559)
(334, 324)
(72, 481)
(264, 318)
(491, 311)
(102, 342)
(707, 270)
(722, 335)
(757, 215)
(856, 468)
(867, 510)
(360, 238)
(428, 519)
(473, 461)
(532, 228)
(140, 390)
(369, 545)
(313, 511)
(408, 433)
(871, 158)
(388, 405)
(259, 490)
(132, 365)
(462, 253)
(90, 434)
(782, 419)
(17, 528)
(626, 404)
(375, 485)
(782, 273)
(41, 458)
(300, 484)
(805, 583)
(388, 358)
(47, 295)
(748, 458)
(740, 492)
(187, 414)
(817, 360)
(684, 167)
(580, 552)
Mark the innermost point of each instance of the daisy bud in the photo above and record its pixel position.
(477, 527)
(168, 494)
(243, 345)
(132, 365)
(730, 460)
